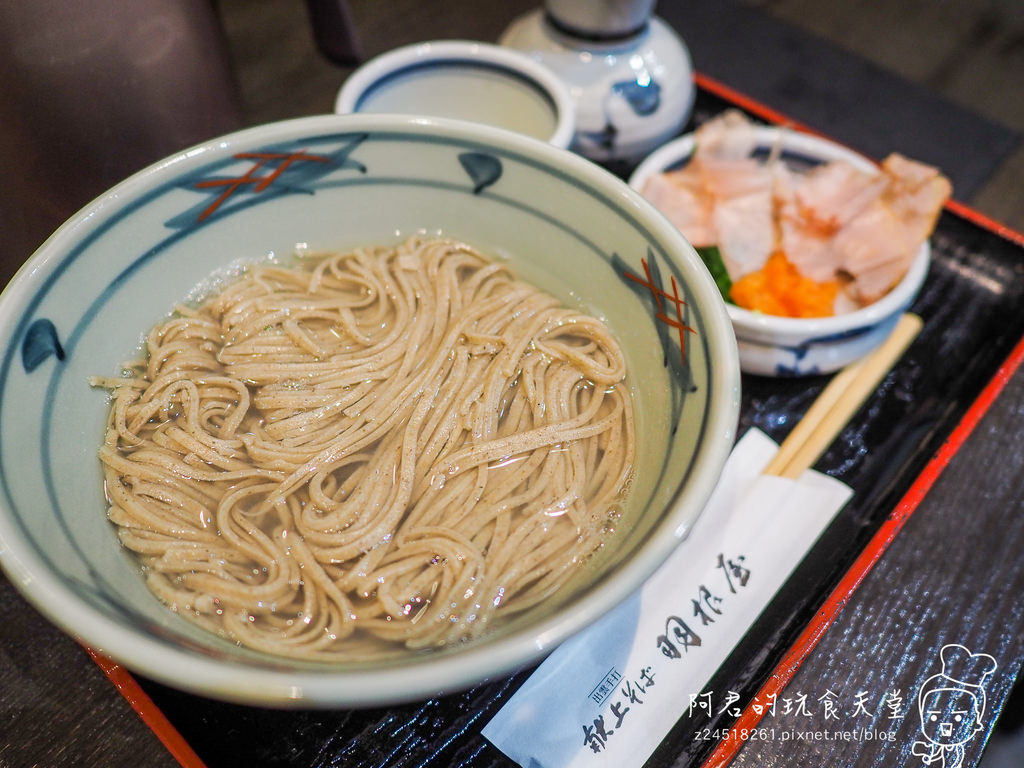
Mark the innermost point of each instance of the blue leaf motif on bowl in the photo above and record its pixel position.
(40, 343)
(670, 312)
(484, 169)
(275, 170)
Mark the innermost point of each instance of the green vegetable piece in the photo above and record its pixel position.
(712, 259)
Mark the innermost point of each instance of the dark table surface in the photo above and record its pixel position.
(929, 554)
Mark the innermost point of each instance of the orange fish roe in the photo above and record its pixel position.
(778, 288)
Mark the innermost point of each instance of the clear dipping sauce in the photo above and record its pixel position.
(464, 90)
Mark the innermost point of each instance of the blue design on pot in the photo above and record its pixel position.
(643, 97)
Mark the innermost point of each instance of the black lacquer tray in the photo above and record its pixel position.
(971, 305)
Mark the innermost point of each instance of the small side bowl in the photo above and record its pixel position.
(786, 346)
(464, 80)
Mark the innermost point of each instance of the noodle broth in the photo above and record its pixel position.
(369, 452)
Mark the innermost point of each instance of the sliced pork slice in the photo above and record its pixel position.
(872, 251)
(741, 190)
(833, 194)
(730, 135)
(916, 194)
(804, 240)
(746, 231)
(681, 197)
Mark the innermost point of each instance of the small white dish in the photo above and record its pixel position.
(786, 346)
(464, 80)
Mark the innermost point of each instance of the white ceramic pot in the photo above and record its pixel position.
(632, 91)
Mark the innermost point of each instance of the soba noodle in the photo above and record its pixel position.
(370, 450)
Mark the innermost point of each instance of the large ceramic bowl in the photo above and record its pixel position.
(786, 346)
(79, 307)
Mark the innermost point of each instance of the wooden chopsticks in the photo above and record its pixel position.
(837, 403)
